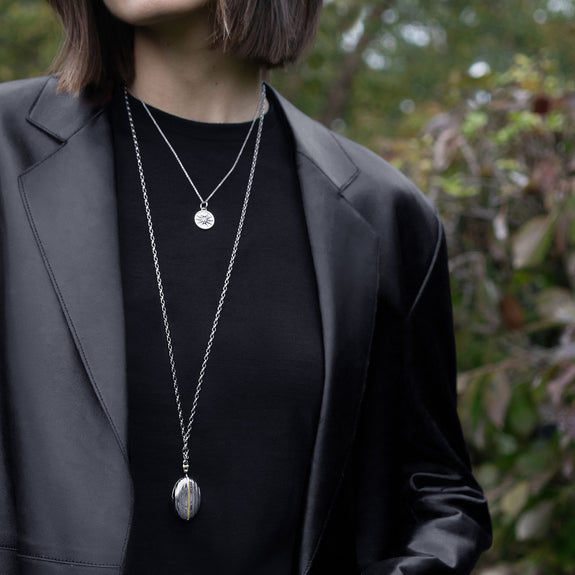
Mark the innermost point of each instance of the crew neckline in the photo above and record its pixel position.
(171, 123)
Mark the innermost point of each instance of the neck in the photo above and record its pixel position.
(178, 72)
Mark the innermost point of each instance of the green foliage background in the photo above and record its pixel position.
(494, 147)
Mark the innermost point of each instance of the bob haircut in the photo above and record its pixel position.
(96, 54)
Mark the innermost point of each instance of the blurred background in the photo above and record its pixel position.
(474, 101)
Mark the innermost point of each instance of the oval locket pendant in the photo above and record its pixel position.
(186, 497)
(204, 219)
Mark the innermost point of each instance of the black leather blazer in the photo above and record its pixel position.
(390, 490)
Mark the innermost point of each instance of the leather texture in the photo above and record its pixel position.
(390, 490)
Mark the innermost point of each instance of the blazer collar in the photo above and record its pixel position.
(62, 115)
(71, 206)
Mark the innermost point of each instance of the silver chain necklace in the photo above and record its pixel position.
(203, 218)
(186, 492)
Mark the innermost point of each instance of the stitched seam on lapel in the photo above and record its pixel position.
(361, 217)
(358, 412)
(68, 561)
(9, 547)
(67, 313)
(64, 142)
(429, 268)
(352, 178)
(345, 184)
(37, 124)
(45, 128)
(354, 175)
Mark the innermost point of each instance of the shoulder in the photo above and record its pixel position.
(401, 217)
(395, 208)
(379, 192)
(407, 224)
(380, 189)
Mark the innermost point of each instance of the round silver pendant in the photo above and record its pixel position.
(204, 219)
(186, 497)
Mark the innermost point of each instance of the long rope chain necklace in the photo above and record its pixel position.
(203, 218)
(186, 494)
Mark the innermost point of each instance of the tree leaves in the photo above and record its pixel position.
(29, 36)
(515, 231)
(497, 397)
(534, 523)
(557, 304)
(533, 240)
(513, 502)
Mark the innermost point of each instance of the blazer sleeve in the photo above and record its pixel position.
(440, 521)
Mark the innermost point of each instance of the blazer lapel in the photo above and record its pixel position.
(71, 205)
(345, 255)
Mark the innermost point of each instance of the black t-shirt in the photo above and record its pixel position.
(254, 430)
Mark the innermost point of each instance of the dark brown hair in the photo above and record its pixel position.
(97, 51)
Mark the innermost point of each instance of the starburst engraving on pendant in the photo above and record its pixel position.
(204, 219)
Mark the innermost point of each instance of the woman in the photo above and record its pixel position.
(308, 425)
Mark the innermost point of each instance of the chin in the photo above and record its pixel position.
(149, 12)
